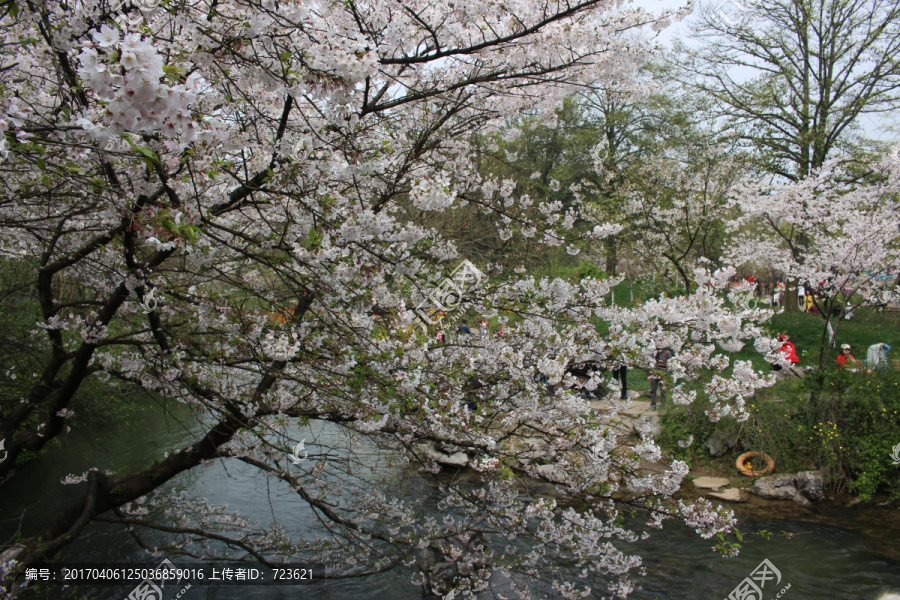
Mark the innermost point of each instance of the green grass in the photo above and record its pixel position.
(867, 327)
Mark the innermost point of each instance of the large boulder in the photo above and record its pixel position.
(456, 459)
(551, 473)
(720, 442)
(804, 487)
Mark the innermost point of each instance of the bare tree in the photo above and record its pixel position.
(815, 67)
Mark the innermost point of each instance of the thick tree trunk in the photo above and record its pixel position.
(790, 295)
(612, 257)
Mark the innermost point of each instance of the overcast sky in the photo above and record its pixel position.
(676, 29)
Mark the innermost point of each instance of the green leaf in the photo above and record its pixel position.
(42, 164)
(172, 70)
(149, 156)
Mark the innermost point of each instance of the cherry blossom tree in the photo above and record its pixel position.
(228, 183)
(834, 234)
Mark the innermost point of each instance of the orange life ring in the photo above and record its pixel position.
(744, 458)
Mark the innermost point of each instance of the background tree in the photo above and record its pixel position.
(542, 157)
(793, 77)
(671, 187)
(619, 116)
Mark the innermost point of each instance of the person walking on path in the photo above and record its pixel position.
(658, 373)
(483, 330)
(845, 358)
(620, 373)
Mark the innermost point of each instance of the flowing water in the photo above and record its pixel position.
(835, 553)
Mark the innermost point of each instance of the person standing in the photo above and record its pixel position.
(658, 373)
(808, 302)
(483, 330)
(848, 311)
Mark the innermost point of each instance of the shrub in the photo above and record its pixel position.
(852, 423)
(842, 423)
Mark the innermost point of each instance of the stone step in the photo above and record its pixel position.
(711, 483)
(730, 494)
(637, 407)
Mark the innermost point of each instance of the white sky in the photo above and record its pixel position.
(655, 6)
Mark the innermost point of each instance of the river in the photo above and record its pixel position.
(839, 553)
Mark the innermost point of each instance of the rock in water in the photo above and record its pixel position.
(810, 485)
(801, 487)
(710, 483)
(731, 494)
(457, 459)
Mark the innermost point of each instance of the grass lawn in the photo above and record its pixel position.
(867, 327)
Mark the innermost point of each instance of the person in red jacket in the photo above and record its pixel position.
(845, 357)
(788, 349)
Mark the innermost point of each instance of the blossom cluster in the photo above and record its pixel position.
(128, 72)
